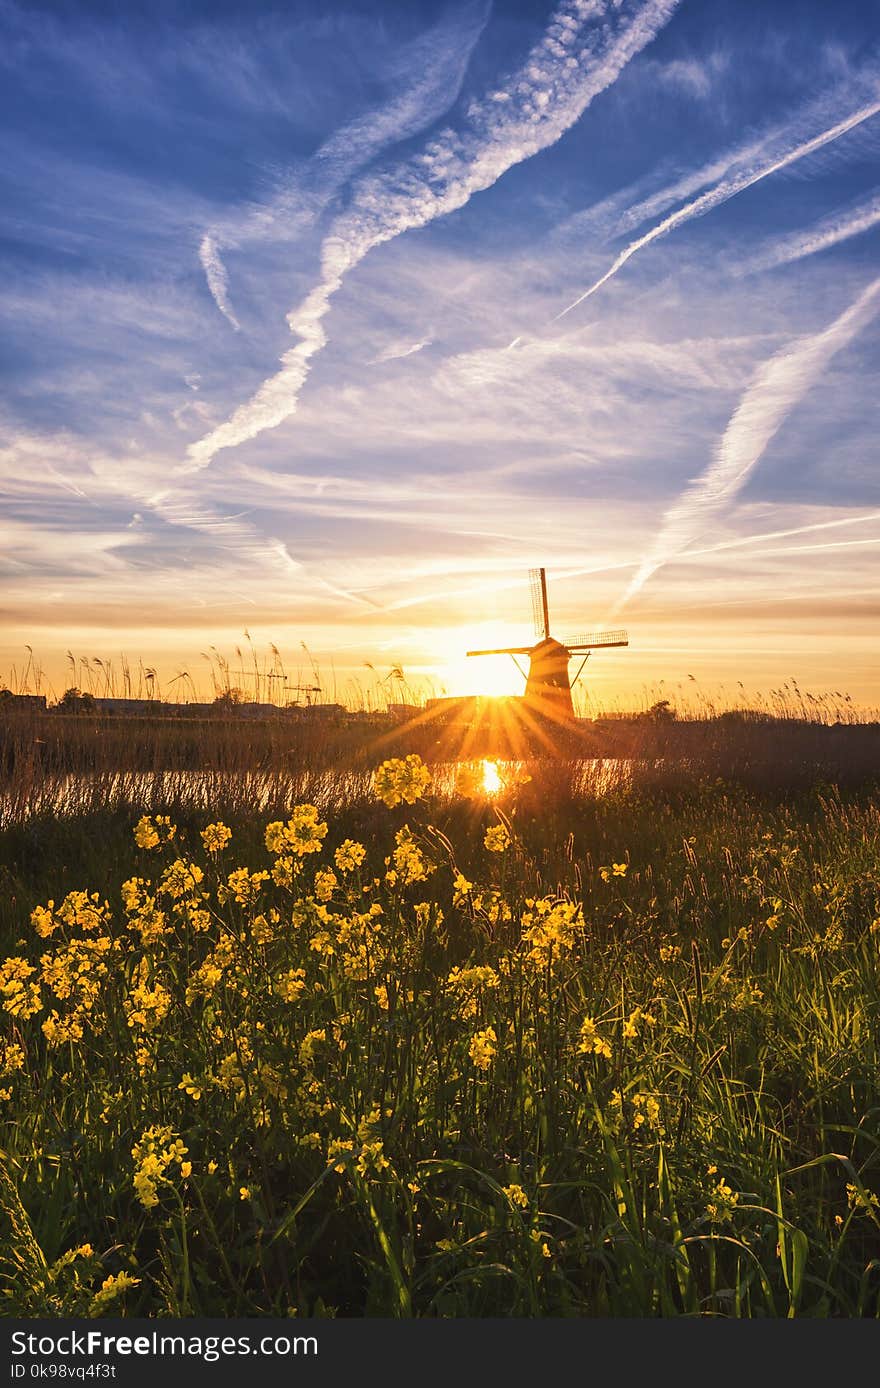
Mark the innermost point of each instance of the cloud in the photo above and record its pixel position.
(574, 61)
(218, 280)
(841, 226)
(728, 187)
(428, 73)
(777, 388)
(395, 351)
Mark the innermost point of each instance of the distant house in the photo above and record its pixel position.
(21, 703)
(134, 708)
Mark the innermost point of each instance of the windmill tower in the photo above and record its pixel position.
(548, 687)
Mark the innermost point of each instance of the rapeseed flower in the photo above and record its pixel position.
(20, 995)
(722, 1202)
(349, 855)
(591, 1042)
(157, 1150)
(497, 838)
(400, 779)
(179, 879)
(483, 1048)
(215, 837)
(517, 1196)
(303, 833)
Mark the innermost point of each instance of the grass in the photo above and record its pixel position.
(623, 1064)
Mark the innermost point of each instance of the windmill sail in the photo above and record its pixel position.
(548, 685)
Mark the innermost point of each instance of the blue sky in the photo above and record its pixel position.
(327, 321)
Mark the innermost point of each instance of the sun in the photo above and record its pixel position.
(491, 780)
(493, 676)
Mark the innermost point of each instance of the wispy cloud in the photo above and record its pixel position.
(218, 280)
(831, 231)
(428, 73)
(395, 351)
(775, 391)
(728, 187)
(574, 61)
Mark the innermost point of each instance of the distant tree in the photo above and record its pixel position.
(661, 712)
(228, 700)
(73, 701)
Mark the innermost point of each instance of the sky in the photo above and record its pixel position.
(324, 322)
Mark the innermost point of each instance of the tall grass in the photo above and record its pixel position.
(618, 1058)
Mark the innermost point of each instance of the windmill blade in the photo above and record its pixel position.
(597, 638)
(540, 617)
(505, 650)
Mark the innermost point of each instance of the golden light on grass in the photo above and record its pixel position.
(492, 782)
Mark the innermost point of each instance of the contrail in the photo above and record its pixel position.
(777, 387)
(218, 280)
(721, 193)
(561, 76)
(829, 232)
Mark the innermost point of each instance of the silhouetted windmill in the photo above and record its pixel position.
(548, 687)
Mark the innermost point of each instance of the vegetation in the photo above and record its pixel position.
(517, 1050)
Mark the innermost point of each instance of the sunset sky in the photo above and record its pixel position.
(327, 321)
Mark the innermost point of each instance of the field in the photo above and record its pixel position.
(518, 1047)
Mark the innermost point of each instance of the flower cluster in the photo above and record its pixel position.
(303, 833)
(157, 1151)
(401, 778)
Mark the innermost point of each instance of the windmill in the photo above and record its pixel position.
(548, 687)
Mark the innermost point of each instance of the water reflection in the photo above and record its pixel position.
(258, 792)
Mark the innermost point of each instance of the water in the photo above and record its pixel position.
(262, 792)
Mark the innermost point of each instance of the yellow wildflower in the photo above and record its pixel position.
(591, 1042)
(325, 884)
(215, 837)
(303, 833)
(517, 1196)
(483, 1048)
(722, 1202)
(20, 996)
(349, 855)
(180, 879)
(156, 1151)
(401, 779)
(497, 838)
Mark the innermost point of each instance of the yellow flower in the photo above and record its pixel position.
(722, 1202)
(550, 929)
(245, 1193)
(146, 1007)
(310, 1043)
(246, 886)
(303, 833)
(618, 869)
(290, 986)
(190, 1086)
(862, 1201)
(410, 864)
(43, 920)
(325, 884)
(483, 1048)
(112, 1288)
(591, 1042)
(180, 879)
(349, 855)
(517, 1196)
(497, 838)
(157, 1150)
(145, 835)
(401, 779)
(20, 996)
(215, 837)
(149, 833)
